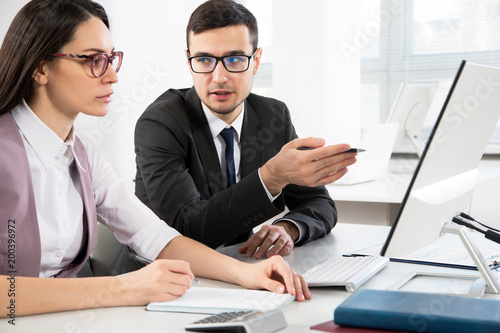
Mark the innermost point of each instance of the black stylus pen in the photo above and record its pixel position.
(355, 150)
(352, 150)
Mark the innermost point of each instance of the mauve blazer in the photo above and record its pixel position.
(20, 249)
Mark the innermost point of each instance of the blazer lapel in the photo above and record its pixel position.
(252, 151)
(204, 142)
(18, 208)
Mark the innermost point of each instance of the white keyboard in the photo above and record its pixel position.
(350, 272)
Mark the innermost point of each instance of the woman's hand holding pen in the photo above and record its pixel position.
(273, 274)
(162, 280)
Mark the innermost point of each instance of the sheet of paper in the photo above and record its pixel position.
(215, 300)
(448, 250)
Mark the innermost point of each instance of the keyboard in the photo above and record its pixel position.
(350, 272)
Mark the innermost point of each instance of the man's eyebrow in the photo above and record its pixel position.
(230, 53)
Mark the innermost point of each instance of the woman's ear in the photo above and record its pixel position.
(40, 75)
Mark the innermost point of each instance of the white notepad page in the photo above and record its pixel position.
(216, 300)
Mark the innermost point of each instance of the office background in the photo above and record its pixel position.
(320, 57)
(336, 64)
(152, 35)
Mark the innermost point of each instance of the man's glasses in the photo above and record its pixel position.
(99, 61)
(233, 63)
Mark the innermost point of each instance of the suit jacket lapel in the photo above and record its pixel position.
(204, 142)
(252, 151)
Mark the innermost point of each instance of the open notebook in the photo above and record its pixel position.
(217, 300)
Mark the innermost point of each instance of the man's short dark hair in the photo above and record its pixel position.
(214, 14)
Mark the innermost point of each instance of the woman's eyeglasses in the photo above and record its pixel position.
(98, 62)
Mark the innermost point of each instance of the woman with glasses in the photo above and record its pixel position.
(57, 61)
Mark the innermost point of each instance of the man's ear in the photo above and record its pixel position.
(186, 52)
(40, 75)
(257, 58)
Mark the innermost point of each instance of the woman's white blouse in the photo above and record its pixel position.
(59, 202)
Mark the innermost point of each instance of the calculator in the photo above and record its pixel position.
(240, 322)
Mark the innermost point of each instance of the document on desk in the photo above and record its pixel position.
(447, 251)
(447, 256)
(216, 300)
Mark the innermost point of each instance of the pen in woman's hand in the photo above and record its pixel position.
(145, 261)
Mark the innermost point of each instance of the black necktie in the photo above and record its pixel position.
(228, 136)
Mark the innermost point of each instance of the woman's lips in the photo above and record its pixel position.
(105, 98)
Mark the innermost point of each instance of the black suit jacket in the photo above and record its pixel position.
(179, 174)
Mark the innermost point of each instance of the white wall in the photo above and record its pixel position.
(310, 73)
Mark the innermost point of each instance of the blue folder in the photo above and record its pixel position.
(418, 312)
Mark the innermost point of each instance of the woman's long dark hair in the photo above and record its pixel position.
(41, 27)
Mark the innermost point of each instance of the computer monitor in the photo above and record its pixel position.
(445, 177)
(409, 110)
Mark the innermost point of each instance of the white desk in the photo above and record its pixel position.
(300, 316)
(375, 202)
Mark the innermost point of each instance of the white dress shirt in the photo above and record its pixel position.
(59, 204)
(216, 126)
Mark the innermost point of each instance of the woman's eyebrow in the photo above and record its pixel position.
(97, 50)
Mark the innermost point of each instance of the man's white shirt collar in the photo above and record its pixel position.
(217, 125)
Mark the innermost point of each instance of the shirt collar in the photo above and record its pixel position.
(217, 125)
(45, 142)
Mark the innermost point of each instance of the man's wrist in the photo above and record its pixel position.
(271, 183)
(269, 195)
(290, 228)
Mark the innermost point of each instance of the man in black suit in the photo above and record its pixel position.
(182, 170)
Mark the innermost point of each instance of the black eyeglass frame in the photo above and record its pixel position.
(221, 59)
(109, 59)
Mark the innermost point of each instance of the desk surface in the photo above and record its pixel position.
(300, 316)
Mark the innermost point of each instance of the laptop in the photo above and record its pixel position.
(378, 141)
